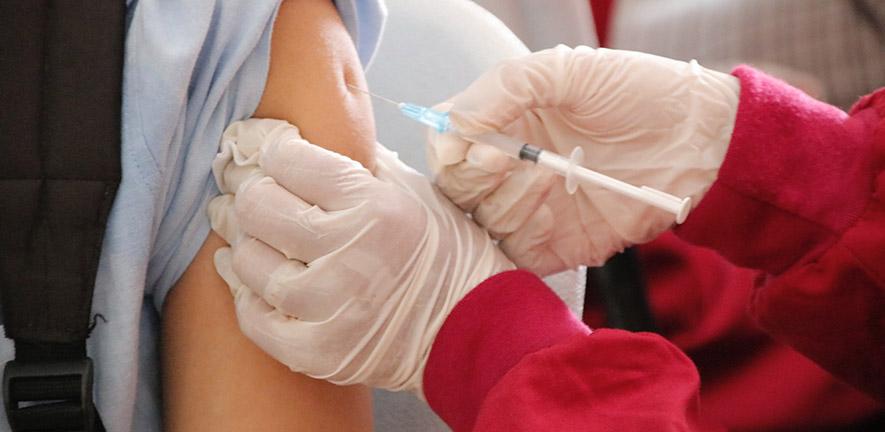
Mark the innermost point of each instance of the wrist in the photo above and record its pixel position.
(715, 105)
(796, 172)
(505, 318)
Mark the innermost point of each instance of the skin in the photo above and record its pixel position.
(312, 60)
(214, 378)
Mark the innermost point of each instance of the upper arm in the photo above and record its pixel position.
(214, 377)
(312, 60)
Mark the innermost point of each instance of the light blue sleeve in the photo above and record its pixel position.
(191, 69)
(364, 20)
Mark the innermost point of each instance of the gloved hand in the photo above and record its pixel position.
(640, 118)
(339, 274)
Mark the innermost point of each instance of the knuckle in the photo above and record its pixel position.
(251, 196)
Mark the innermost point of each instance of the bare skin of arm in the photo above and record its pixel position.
(214, 378)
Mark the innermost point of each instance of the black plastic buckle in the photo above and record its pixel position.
(49, 396)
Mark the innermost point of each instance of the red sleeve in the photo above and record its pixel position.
(511, 356)
(801, 196)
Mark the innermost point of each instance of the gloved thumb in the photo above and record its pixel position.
(318, 176)
(529, 248)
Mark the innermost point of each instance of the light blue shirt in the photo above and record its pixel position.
(192, 67)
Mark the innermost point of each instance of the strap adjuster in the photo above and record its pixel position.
(49, 396)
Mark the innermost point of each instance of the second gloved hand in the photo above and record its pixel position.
(339, 274)
(642, 119)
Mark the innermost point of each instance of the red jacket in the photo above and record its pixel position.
(800, 197)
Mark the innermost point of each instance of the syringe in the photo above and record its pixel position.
(570, 167)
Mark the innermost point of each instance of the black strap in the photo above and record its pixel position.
(620, 285)
(60, 85)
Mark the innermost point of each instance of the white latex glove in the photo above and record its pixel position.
(339, 274)
(640, 118)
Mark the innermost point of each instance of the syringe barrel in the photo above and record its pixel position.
(651, 196)
(571, 168)
(506, 144)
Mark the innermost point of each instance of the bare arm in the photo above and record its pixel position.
(312, 60)
(214, 378)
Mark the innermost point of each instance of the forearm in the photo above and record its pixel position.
(797, 173)
(511, 356)
(800, 196)
(214, 377)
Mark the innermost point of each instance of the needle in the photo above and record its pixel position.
(373, 95)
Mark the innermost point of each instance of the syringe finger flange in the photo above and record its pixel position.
(576, 158)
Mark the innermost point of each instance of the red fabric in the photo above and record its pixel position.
(797, 172)
(625, 382)
(478, 345)
(699, 301)
(511, 356)
(603, 11)
(800, 197)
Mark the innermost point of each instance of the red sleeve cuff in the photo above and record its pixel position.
(831, 308)
(797, 172)
(508, 316)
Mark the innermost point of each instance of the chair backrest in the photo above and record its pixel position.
(431, 50)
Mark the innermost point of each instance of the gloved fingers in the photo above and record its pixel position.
(464, 171)
(450, 149)
(308, 294)
(316, 175)
(444, 150)
(467, 185)
(489, 158)
(284, 284)
(254, 271)
(505, 92)
(288, 285)
(390, 170)
(467, 181)
(224, 268)
(235, 176)
(529, 247)
(255, 262)
(222, 217)
(251, 134)
(284, 337)
(517, 198)
(238, 156)
(284, 221)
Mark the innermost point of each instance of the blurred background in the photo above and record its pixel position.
(832, 49)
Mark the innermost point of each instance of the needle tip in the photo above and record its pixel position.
(361, 90)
